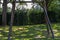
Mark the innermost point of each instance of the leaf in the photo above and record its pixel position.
(11, 1)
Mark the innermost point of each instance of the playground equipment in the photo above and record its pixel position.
(49, 27)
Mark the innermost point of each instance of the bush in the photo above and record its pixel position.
(21, 18)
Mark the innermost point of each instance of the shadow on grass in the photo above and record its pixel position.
(29, 32)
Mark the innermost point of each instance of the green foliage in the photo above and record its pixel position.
(0, 10)
(11, 1)
(35, 16)
(21, 17)
(54, 6)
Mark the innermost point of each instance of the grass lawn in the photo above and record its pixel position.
(30, 32)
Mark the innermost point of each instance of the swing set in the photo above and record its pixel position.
(48, 24)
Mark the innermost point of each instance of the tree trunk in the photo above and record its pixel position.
(4, 13)
(0, 3)
(12, 18)
(49, 27)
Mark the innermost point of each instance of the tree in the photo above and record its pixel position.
(12, 18)
(4, 12)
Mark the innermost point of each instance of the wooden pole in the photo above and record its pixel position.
(49, 27)
(12, 18)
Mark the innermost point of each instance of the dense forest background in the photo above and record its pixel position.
(35, 15)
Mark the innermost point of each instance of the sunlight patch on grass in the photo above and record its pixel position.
(38, 36)
(54, 26)
(55, 31)
(20, 28)
(57, 34)
(14, 30)
(31, 34)
(17, 39)
(42, 36)
(1, 35)
(6, 31)
(1, 29)
(5, 37)
(26, 39)
(23, 34)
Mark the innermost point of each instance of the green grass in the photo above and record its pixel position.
(30, 32)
